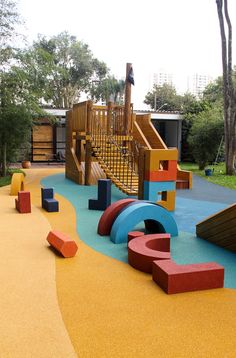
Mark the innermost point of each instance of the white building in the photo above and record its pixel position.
(197, 83)
(160, 78)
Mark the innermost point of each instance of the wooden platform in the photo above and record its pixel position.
(220, 228)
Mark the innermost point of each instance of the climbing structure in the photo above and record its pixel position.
(102, 144)
(113, 142)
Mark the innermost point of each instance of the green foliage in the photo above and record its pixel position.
(15, 126)
(109, 89)
(6, 180)
(61, 68)
(205, 135)
(18, 106)
(163, 96)
(213, 93)
(9, 18)
(219, 174)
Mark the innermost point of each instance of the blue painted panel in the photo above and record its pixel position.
(152, 188)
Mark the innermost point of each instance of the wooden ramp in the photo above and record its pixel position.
(220, 228)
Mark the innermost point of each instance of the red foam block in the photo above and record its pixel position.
(133, 234)
(143, 250)
(22, 203)
(169, 174)
(110, 214)
(173, 278)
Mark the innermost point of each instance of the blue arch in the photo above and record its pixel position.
(140, 211)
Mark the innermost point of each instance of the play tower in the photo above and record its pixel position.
(114, 142)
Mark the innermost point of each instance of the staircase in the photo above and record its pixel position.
(117, 161)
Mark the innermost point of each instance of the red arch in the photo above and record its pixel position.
(110, 214)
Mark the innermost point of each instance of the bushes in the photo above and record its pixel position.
(205, 136)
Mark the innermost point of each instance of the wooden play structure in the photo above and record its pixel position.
(114, 142)
(220, 228)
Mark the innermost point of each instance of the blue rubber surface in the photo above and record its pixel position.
(185, 248)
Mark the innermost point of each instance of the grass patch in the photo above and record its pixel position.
(218, 177)
(7, 179)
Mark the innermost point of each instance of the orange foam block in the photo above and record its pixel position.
(168, 173)
(62, 243)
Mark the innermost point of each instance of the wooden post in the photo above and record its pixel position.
(141, 170)
(88, 147)
(109, 117)
(127, 114)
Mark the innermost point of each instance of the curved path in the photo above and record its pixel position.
(109, 309)
(31, 321)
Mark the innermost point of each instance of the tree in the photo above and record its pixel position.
(229, 92)
(14, 119)
(9, 18)
(18, 106)
(213, 92)
(205, 135)
(62, 67)
(190, 107)
(163, 96)
(109, 89)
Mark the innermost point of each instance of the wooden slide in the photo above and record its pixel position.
(220, 228)
(146, 134)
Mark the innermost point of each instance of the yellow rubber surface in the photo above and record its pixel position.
(31, 323)
(109, 309)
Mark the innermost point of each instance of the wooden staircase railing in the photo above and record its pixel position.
(115, 151)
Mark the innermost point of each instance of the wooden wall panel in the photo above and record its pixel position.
(42, 142)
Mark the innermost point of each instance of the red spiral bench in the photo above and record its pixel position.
(145, 249)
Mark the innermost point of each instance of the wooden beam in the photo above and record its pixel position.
(127, 114)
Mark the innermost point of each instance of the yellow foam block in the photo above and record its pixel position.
(17, 183)
(168, 200)
(153, 157)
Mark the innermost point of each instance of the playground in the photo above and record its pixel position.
(106, 258)
(95, 304)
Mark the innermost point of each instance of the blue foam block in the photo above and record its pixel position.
(51, 205)
(152, 188)
(137, 212)
(46, 193)
(104, 196)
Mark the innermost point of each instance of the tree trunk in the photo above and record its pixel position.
(228, 87)
(4, 159)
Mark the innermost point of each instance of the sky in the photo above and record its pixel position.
(174, 36)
